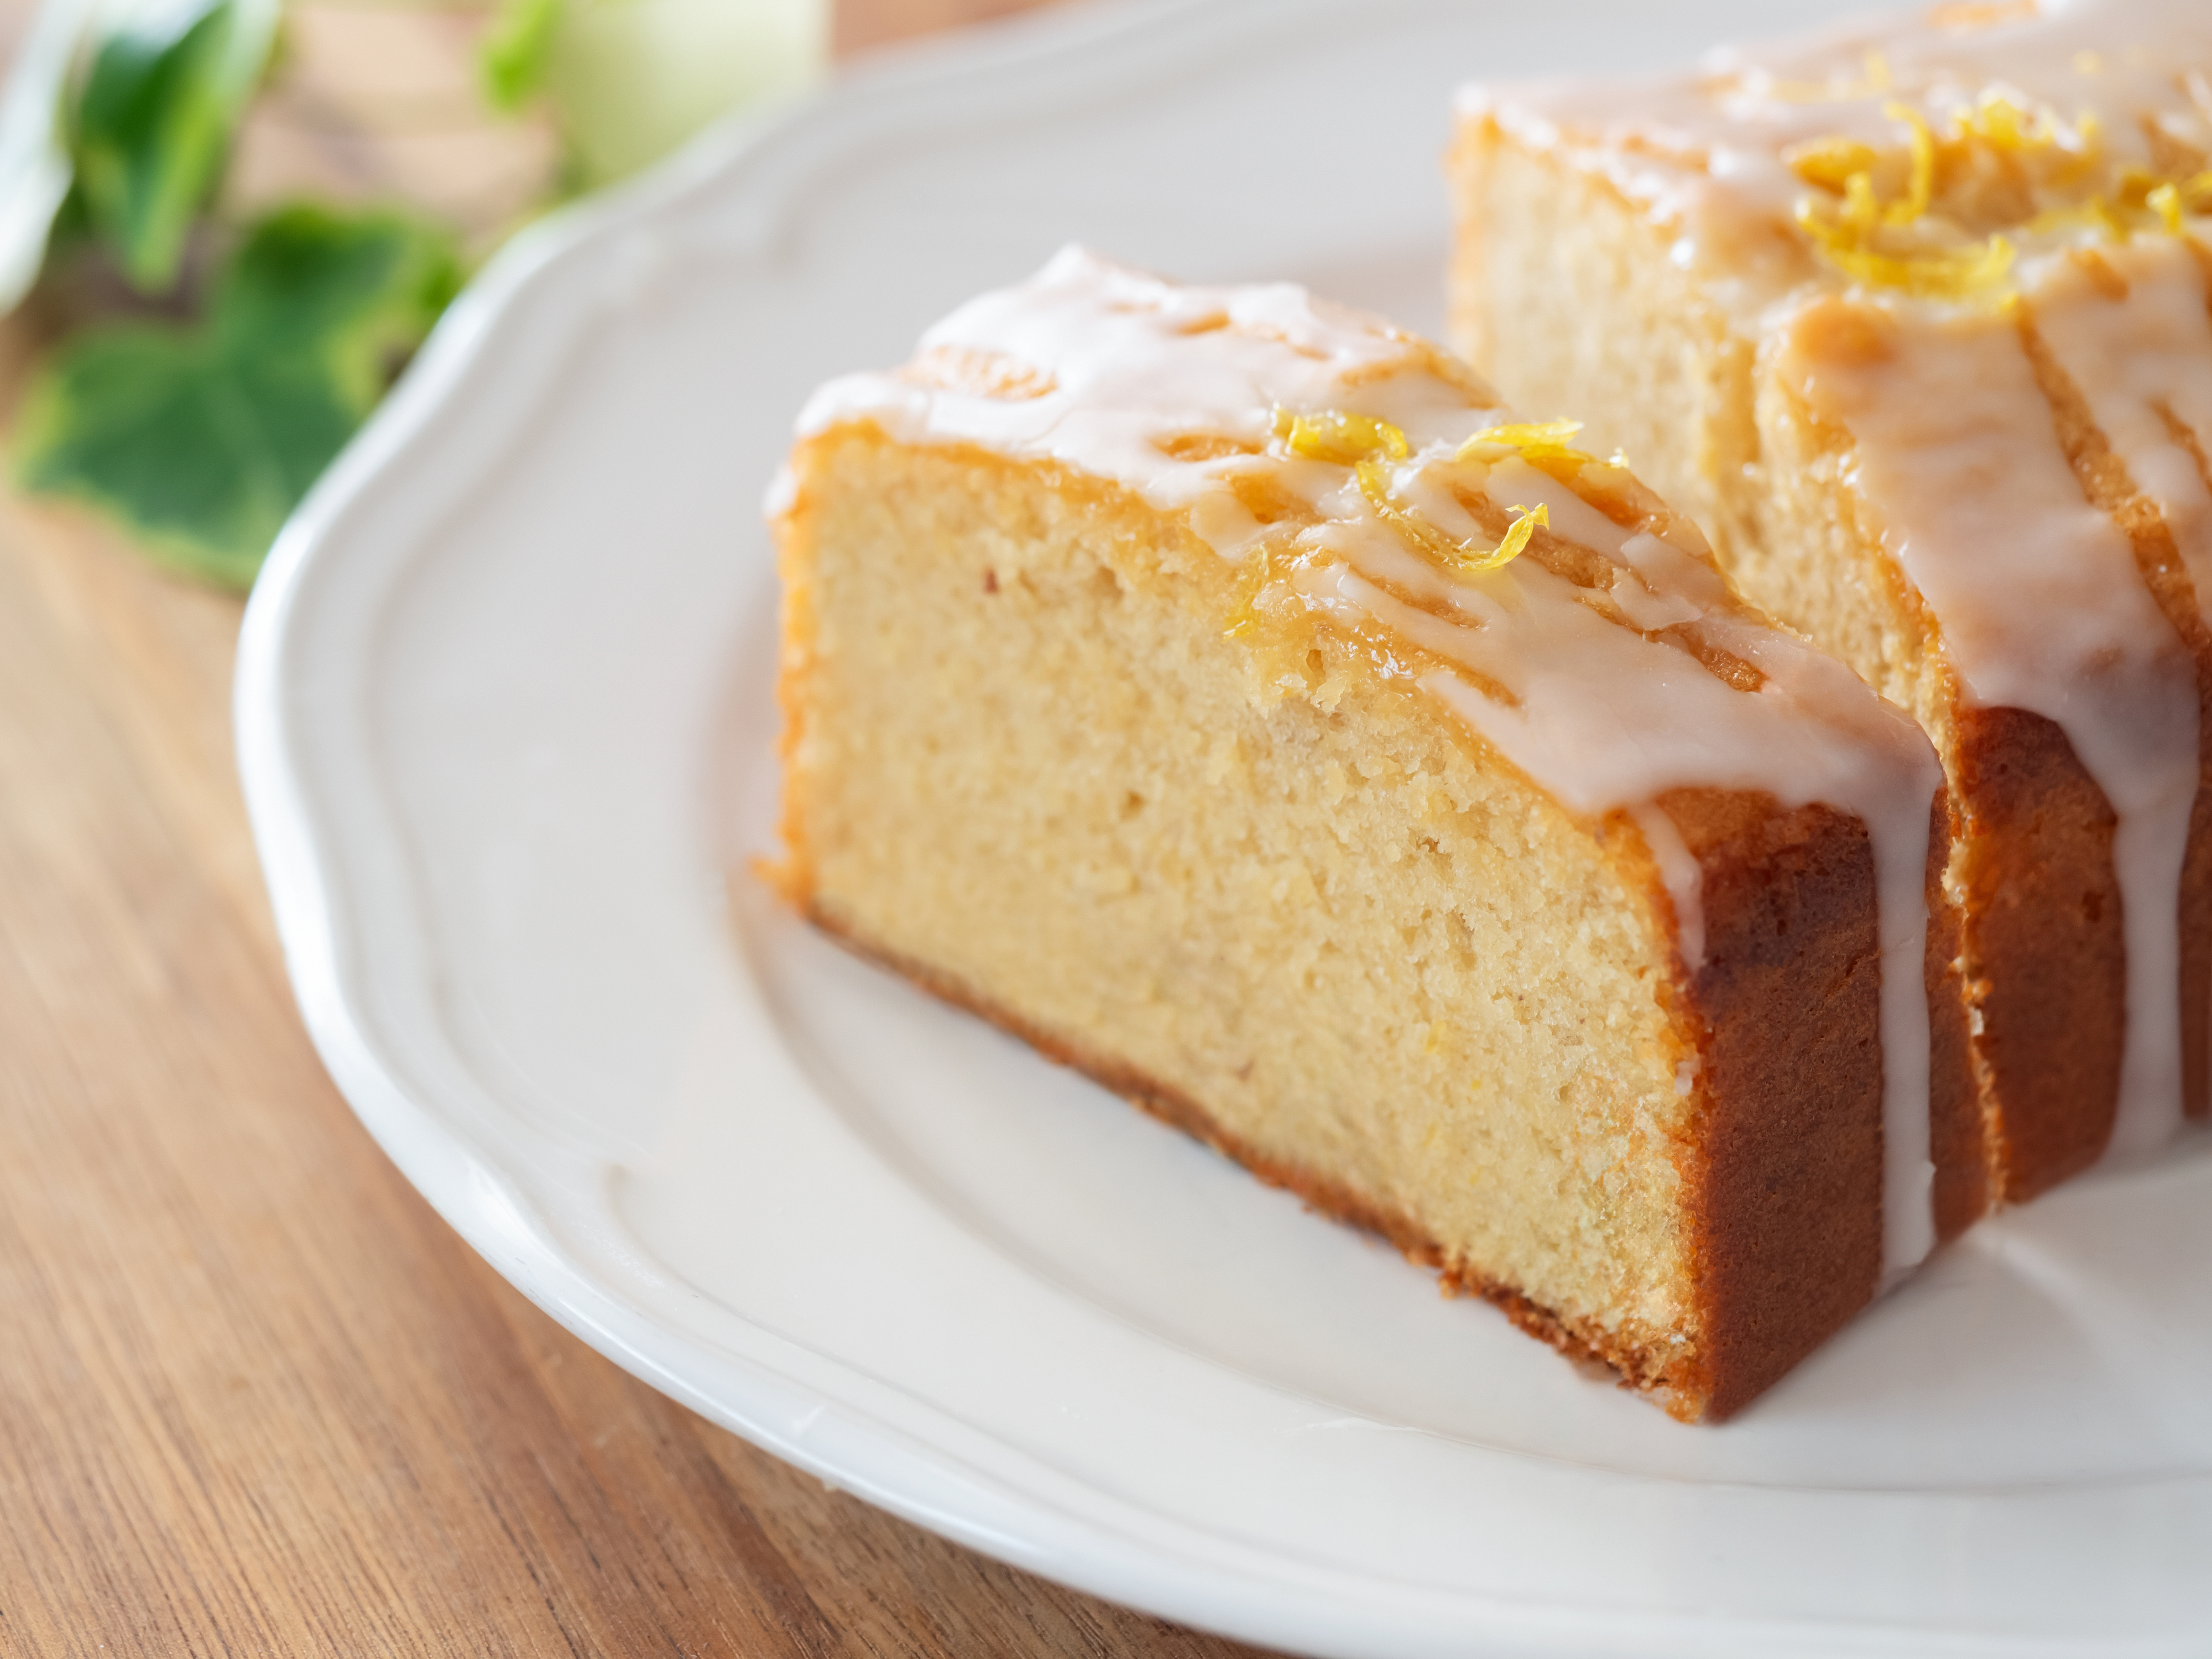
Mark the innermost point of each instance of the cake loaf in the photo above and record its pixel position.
(1914, 319)
(1221, 691)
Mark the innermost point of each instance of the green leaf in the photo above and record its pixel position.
(152, 126)
(356, 291)
(516, 52)
(203, 439)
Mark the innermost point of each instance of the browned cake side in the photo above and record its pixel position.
(1792, 1130)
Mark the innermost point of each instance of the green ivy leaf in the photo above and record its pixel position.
(152, 126)
(202, 440)
(516, 52)
(356, 291)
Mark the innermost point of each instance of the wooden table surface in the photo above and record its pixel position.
(255, 1397)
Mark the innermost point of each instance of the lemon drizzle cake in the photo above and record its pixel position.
(1220, 690)
(1936, 289)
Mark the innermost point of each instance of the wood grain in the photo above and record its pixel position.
(255, 1397)
(860, 25)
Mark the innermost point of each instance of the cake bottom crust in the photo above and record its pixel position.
(1635, 1366)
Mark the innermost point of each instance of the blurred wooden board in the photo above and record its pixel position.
(861, 24)
(255, 1398)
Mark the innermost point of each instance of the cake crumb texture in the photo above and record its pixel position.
(1286, 904)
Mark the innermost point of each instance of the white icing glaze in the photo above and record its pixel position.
(1704, 152)
(1685, 882)
(2035, 593)
(1104, 371)
(2064, 627)
(2142, 363)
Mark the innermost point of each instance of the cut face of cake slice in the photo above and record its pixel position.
(1933, 299)
(1220, 691)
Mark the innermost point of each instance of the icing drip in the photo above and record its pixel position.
(2141, 359)
(2067, 146)
(2068, 630)
(1685, 882)
(1597, 693)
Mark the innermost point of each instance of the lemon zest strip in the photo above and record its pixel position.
(1536, 441)
(1357, 440)
(1829, 162)
(1943, 273)
(1516, 536)
(2166, 201)
(1375, 485)
(1342, 439)
(1921, 190)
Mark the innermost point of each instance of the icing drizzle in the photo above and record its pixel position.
(2078, 136)
(1598, 690)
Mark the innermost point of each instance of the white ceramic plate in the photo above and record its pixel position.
(505, 716)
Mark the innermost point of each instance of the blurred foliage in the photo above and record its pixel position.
(517, 50)
(200, 438)
(152, 127)
(203, 438)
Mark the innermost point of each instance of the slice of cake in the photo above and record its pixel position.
(1220, 691)
(1913, 319)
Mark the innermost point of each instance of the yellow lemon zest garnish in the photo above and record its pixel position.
(2166, 201)
(2136, 186)
(1861, 213)
(1829, 162)
(1338, 438)
(2003, 125)
(1996, 123)
(2139, 198)
(1921, 190)
(1375, 485)
(1850, 235)
(1536, 441)
(1913, 242)
(1364, 444)
(1517, 534)
(1936, 274)
(2111, 216)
